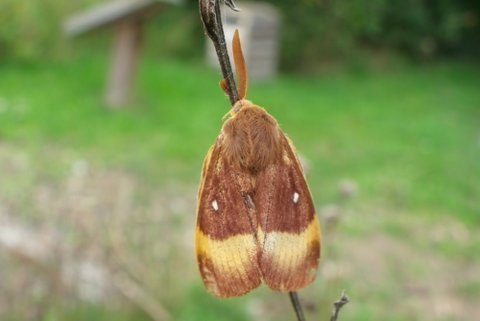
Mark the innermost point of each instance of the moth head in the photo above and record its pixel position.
(251, 137)
(239, 105)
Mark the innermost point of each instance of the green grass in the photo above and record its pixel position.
(409, 139)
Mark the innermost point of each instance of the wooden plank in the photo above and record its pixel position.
(124, 64)
(110, 13)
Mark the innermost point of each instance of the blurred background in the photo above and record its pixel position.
(107, 112)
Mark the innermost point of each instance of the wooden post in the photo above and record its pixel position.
(124, 62)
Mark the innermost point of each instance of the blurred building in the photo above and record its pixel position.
(259, 26)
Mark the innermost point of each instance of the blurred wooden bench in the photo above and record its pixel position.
(128, 17)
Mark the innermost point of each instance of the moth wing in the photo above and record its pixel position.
(289, 228)
(225, 240)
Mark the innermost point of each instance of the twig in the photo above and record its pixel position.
(338, 305)
(126, 266)
(212, 22)
(297, 306)
(139, 296)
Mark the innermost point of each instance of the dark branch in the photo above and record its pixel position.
(212, 22)
(338, 305)
(296, 305)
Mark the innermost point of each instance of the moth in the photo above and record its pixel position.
(256, 219)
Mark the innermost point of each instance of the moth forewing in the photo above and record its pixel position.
(290, 228)
(226, 247)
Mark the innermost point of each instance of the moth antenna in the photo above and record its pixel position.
(240, 66)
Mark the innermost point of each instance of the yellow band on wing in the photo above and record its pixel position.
(229, 267)
(289, 261)
(280, 243)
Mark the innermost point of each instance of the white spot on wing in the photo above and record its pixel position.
(215, 205)
(296, 196)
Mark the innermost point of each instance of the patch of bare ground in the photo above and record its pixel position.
(409, 271)
(90, 234)
(101, 235)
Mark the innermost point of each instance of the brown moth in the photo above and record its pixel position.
(255, 218)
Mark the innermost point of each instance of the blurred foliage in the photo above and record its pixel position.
(118, 189)
(315, 32)
(32, 29)
(319, 32)
(341, 30)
